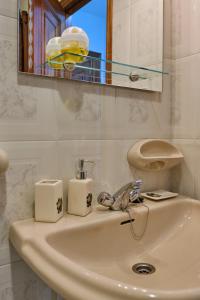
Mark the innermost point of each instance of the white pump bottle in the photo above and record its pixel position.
(80, 193)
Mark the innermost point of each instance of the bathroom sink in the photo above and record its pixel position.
(92, 258)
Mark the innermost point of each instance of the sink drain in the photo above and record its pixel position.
(143, 269)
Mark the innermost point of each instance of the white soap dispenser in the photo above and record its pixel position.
(80, 192)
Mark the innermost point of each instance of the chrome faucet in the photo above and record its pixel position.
(122, 199)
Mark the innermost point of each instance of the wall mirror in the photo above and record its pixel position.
(113, 42)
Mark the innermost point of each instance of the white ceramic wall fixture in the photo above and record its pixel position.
(91, 258)
(154, 155)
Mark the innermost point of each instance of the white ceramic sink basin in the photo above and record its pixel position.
(91, 258)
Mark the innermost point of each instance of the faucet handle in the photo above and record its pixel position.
(105, 199)
(138, 182)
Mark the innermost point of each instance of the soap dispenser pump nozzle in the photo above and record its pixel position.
(82, 173)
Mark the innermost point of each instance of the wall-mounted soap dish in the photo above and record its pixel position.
(154, 155)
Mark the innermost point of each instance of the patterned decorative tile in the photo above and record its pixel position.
(81, 110)
(27, 109)
(142, 114)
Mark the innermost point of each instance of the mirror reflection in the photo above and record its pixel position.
(115, 42)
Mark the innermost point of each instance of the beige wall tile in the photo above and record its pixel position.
(8, 8)
(185, 176)
(185, 27)
(186, 104)
(167, 47)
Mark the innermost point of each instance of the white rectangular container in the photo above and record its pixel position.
(48, 200)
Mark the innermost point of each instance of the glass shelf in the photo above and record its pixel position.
(105, 69)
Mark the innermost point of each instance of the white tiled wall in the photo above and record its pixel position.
(45, 125)
(186, 94)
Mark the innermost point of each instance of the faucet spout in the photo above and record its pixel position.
(126, 196)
